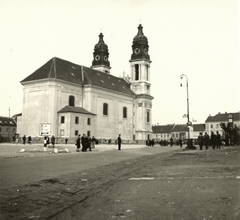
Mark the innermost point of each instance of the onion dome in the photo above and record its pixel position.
(100, 55)
(140, 45)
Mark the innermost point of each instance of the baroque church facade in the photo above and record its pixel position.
(65, 99)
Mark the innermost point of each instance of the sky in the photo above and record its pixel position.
(198, 38)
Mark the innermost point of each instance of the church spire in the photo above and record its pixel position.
(100, 56)
(140, 46)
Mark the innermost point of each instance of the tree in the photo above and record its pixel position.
(232, 134)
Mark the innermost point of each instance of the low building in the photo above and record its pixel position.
(7, 129)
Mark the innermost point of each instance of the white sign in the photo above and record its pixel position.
(45, 129)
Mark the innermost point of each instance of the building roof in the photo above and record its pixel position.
(180, 128)
(57, 68)
(73, 109)
(199, 127)
(223, 117)
(6, 121)
(162, 128)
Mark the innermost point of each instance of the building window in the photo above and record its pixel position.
(136, 72)
(7, 129)
(173, 135)
(76, 132)
(89, 133)
(62, 132)
(124, 112)
(216, 125)
(76, 120)
(148, 116)
(211, 126)
(105, 109)
(62, 119)
(147, 73)
(71, 101)
(176, 135)
(89, 121)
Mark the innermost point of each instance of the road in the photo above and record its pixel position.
(145, 183)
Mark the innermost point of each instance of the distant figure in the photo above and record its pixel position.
(53, 141)
(218, 141)
(206, 140)
(93, 142)
(89, 144)
(119, 140)
(24, 139)
(171, 141)
(66, 141)
(200, 140)
(16, 141)
(213, 140)
(45, 143)
(84, 140)
(78, 143)
(180, 142)
(29, 139)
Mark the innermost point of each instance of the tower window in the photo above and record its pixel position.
(147, 73)
(62, 119)
(76, 120)
(105, 109)
(136, 72)
(124, 112)
(71, 101)
(148, 116)
(89, 121)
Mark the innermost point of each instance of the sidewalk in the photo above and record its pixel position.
(13, 150)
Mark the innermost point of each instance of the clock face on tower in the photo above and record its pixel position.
(97, 57)
(137, 51)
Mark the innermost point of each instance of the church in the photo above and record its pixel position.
(65, 99)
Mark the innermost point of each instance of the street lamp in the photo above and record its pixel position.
(189, 145)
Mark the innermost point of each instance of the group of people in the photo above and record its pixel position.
(86, 141)
(47, 141)
(213, 140)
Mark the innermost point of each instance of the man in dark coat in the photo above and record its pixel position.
(78, 143)
(218, 140)
(213, 140)
(119, 140)
(200, 140)
(84, 143)
(206, 140)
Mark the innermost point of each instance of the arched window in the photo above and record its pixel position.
(105, 109)
(136, 72)
(148, 116)
(124, 112)
(71, 101)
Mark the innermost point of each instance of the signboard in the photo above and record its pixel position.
(45, 129)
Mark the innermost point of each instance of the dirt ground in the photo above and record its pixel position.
(174, 185)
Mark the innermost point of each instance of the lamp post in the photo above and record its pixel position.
(189, 142)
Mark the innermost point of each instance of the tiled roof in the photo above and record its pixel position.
(199, 127)
(73, 109)
(6, 121)
(223, 117)
(179, 128)
(57, 68)
(162, 128)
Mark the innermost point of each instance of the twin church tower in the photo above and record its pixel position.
(66, 99)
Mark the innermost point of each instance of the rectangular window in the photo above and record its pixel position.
(105, 109)
(62, 132)
(76, 120)
(7, 129)
(89, 133)
(89, 121)
(76, 132)
(148, 116)
(211, 126)
(62, 119)
(216, 125)
(124, 112)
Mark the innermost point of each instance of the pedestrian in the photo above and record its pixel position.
(24, 139)
(29, 139)
(84, 141)
(200, 140)
(66, 140)
(45, 143)
(53, 141)
(213, 140)
(180, 142)
(89, 143)
(218, 140)
(119, 140)
(78, 143)
(206, 140)
(93, 142)
(171, 141)
(16, 141)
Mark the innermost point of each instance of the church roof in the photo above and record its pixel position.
(162, 128)
(57, 68)
(74, 109)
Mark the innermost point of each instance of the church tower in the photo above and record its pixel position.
(141, 86)
(100, 56)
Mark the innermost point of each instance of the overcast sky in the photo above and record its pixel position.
(198, 38)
